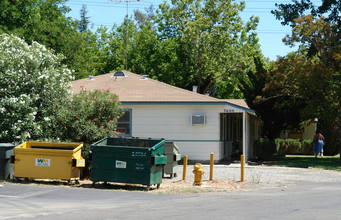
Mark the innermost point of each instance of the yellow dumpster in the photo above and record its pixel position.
(45, 160)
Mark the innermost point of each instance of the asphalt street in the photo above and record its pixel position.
(299, 200)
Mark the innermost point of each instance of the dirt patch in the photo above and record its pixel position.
(182, 187)
(168, 186)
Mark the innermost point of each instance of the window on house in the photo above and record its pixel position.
(124, 124)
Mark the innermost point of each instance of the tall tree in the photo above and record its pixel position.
(84, 21)
(324, 81)
(266, 92)
(307, 84)
(215, 41)
(320, 39)
(45, 21)
(117, 45)
(289, 12)
(201, 42)
(143, 57)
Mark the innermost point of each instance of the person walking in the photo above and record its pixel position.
(318, 143)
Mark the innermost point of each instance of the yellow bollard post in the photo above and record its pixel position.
(185, 168)
(242, 168)
(211, 165)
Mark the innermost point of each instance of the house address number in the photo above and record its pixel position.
(228, 110)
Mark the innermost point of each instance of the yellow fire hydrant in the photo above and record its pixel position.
(198, 172)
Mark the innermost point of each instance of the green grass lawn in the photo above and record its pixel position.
(327, 162)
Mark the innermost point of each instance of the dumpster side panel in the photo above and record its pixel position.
(173, 156)
(124, 165)
(44, 166)
(156, 174)
(158, 154)
(6, 152)
(128, 160)
(44, 160)
(120, 176)
(6, 168)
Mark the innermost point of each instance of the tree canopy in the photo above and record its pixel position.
(184, 43)
(204, 43)
(310, 77)
(289, 12)
(302, 85)
(319, 77)
(45, 22)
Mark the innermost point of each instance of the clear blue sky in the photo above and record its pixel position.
(270, 31)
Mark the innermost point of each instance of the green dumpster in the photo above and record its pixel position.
(6, 168)
(173, 156)
(128, 160)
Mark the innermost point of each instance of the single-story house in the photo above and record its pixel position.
(198, 124)
(306, 132)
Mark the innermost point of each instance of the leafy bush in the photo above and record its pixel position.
(32, 79)
(307, 147)
(86, 117)
(281, 147)
(294, 146)
(264, 149)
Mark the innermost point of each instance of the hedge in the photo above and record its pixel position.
(265, 149)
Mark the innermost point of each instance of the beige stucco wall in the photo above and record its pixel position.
(309, 131)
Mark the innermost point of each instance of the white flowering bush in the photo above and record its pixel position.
(31, 80)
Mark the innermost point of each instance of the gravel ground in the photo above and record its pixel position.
(263, 174)
(227, 178)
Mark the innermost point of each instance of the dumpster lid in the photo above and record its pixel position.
(167, 143)
(129, 142)
(3, 145)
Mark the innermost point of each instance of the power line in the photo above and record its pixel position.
(141, 7)
(107, 6)
(257, 31)
(121, 6)
(274, 1)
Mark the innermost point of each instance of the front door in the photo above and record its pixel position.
(231, 134)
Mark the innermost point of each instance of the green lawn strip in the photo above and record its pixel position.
(327, 162)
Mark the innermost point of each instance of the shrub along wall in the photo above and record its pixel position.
(294, 146)
(265, 149)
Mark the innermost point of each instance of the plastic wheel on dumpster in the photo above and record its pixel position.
(45, 160)
(128, 160)
(6, 168)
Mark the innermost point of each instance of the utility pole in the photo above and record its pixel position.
(127, 27)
